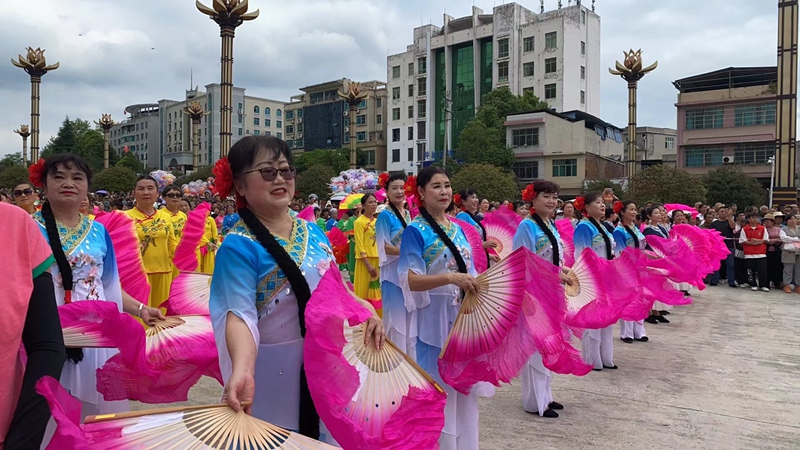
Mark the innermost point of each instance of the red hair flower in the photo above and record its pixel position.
(410, 188)
(36, 173)
(617, 207)
(223, 184)
(528, 194)
(457, 200)
(580, 203)
(382, 179)
(511, 207)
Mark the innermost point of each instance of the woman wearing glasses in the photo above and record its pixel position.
(172, 197)
(157, 238)
(26, 197)
(266, 269)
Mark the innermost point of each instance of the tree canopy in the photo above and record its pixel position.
(662, 184)
(202, 174)
(487, 180)
(729, 185)
(12, 159)
(315, 180)
(483, 139)
(130, 161)
(79, 137)
(337, 159)
(114, 179)
(13, 176)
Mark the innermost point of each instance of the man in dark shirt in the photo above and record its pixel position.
(726, 226)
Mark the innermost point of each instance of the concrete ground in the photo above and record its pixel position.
(725, 374)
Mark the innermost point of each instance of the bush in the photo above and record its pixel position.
(729, 185)
(662, 184)
(315, 180)
(487, 180)
(13, 176)
(114, 179)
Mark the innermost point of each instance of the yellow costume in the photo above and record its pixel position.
(366, 249)
(178, 220)
(210, 239)
(157, 242)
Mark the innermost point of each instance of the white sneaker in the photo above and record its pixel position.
(754, 288)
(765, 289)
(743, 285)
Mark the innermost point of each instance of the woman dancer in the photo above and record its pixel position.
(597, 345)
(173, 198)
(628, 235)
(435, 269)
(653, 218)
(367, 284)
(469, 202)
(540, 236)
(389, 231)
(207, 251)
(569, 213)
(85, 269)
(26, 197)
(520, 208)
(790, 257)
(267, 267)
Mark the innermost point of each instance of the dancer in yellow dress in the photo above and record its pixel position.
(207, 250)
(157, 238)
(367, 283)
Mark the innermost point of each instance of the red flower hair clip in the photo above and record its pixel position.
(511, 207)
(382, 179)
(528, 194)
(223, 183)
(617, 207)
(457, 200)
(36, 173)
(410, 188)
(580, 203)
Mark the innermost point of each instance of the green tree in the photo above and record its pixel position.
(315, 180)
(130, 161)
(10, 160)
(114, 179)
(80, 138)
(600, 185)
(483, 139)
(662, 184)
(201, 174)
(729, 184)
(337, 159)
(13, 176)
(487, 180)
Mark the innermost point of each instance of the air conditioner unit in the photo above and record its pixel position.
(300, 136)
(347, 113)
(300, 120)
(727, 160)
(346, 129)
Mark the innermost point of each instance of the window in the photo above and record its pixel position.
(240, 118)
(583, 48)
(300, 113)
(565, 167)
(527, 44)
(256, 110)
(300, 127)
(551, 41)
(241, 110)
(267, 112)
(751, 115)
(502, 48)
(757, 153)
(396, 114)
(410, 154)
(240, 131)
(256, 121)
(669, 143)
(361, 136)
(410, 90)
(361, 119)
(583, 17)
(410, 68)
(362, 104)
(583, 72)
(395, 93)
(527, 69)
(379, 119)
(583, 97)
(278, 113)
(395, 135)
(267, 122)
(370, 157)
(704, 118)
(378, 102)
(526, 170)
(550, 65)
(422, 66)
(278, 124)
(289, 115)
(280, 135)
(502, 72)
(550, 91)
(410, 111)
(395, 155)
(422, 89)
(421, 130)
(420, 152)
(395, 72)
(421, 109)
(256, 132)
(410, 133)
(702, 156)
(289, 129)
(525, 138)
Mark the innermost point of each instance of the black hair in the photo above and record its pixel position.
(424, 177)
(552, 237)
(187, 202)
(117, 203)
(517, 203)
(145, 177)
(241, 158)
(451, 207)
(609, 212)
(749, 215)
(27, 183)
(545, 187)
(169, 188)
(590, 198)
(467, 193)
(69, 161)
(397, 176)
(628, 228)
(672, 219)
(366, 197)
(648, 213)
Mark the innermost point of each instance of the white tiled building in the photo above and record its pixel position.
(435, 86)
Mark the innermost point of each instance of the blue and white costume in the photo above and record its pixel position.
(624, 239)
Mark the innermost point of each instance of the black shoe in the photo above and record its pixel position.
(614, 367)
(550, 414)
(664, 313)
(627, 340)
(555, 405)
(662, 319)
(643, 339)
(714, 284)
(651, 319)
(597, 370)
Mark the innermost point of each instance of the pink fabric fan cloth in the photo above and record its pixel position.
(480, 260)
(186, 253)
(132, 275)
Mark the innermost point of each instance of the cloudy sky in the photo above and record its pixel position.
(116, 53)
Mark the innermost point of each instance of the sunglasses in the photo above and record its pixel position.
(20, 192)
(174, 195)
(270, 173)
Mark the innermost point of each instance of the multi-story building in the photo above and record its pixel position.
(728, 117)
(566, 148)
(654, 146)
(436, 85)
(319, 119)
(139, 133)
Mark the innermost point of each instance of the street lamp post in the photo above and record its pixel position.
(35, 65)
(105, 123)
(195, 112)
(771, 162)
(24, 132)
(632, 71)
(228, 14)
(353, 97)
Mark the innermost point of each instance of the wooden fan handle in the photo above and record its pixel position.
(148, 412)
(414, 365)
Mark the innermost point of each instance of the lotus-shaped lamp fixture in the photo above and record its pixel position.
(352, 93)
(195, 111)
(105, 122)
(631, 69)
(227, 12)
(34, 62)
(23, 131)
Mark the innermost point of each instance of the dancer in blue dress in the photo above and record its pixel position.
(626, 235)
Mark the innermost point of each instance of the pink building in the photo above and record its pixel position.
(728, 117)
